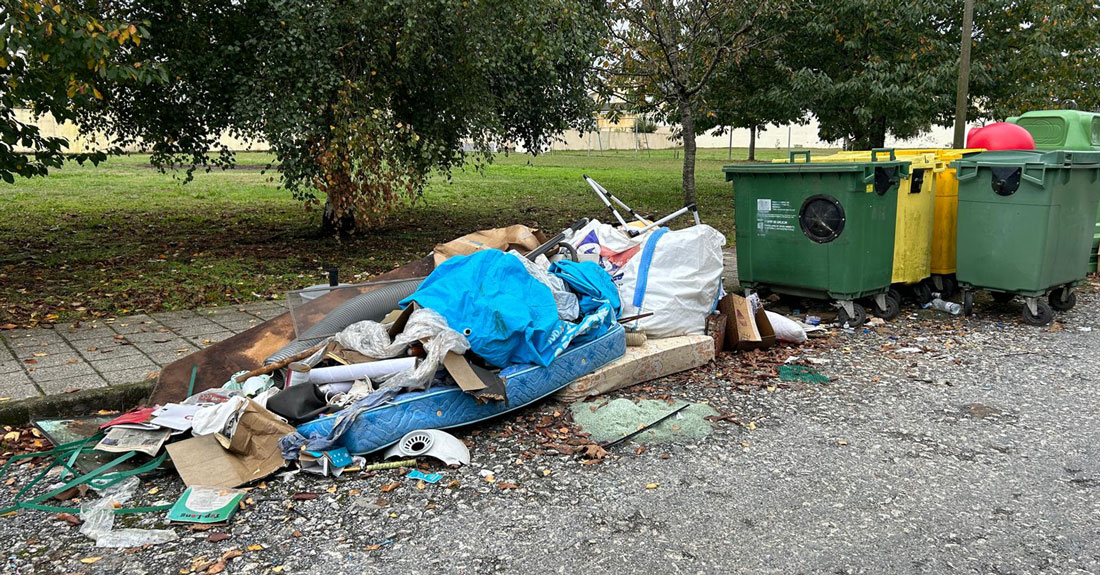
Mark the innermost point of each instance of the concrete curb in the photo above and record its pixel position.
(84, 402)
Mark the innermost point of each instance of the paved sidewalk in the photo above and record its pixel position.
(41, 362)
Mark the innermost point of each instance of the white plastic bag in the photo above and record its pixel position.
(785, 328)
(678, 283)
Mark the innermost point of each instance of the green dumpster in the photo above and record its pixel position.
(1066, 130)
(1025, 226)
(819, 230)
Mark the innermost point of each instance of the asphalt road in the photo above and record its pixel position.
(942, 445)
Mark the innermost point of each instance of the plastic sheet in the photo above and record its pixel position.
(98, 520)
(371, 339)
(431, 328)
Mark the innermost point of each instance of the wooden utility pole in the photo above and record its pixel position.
(964, 75)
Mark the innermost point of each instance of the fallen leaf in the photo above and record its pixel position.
(331, 489)
(216, 537)
(504, 486)
(30, 361)
(41, 355)
(390, 487)
(652, 485)
(277, 569)
(90, 560)
(296, 533)
(68, 518)
(154, 491)
(256, 547)
(354, 492)
(303, 496)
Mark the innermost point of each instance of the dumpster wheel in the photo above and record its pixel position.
(968, 302)
(1042, 314)
(923, 293)
(1062, 299)
(858, 317)
(888, 308)
(942, 284)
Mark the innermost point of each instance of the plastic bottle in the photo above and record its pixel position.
(947, 306)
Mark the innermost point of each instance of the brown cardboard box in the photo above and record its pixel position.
(745, 330)
(716, 328)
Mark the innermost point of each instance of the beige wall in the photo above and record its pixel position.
(77, 143)
(799, 136)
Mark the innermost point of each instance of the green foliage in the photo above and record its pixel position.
(659, 57)
(1034, 54)
(359, 99)
(866, 68)
(57, 58)
(752, 91)
(644, 125)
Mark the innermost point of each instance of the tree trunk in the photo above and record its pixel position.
(330, 224)
(878, 133)
(687, 125)
(752, 143)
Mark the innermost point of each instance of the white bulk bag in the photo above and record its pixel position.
(675, 276)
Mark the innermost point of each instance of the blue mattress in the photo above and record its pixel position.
(443, 407)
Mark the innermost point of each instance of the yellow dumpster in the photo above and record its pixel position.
(945, 216)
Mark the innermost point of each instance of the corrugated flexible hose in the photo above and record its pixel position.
(373, 305)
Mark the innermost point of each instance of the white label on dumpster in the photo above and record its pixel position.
(775, 216)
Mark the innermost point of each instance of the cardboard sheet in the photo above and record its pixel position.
(251, 453)
(517, 237)
(657, 358)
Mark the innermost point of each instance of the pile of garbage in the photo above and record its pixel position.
(506, 317)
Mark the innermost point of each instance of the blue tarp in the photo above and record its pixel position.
(508, 316)
(591, 283)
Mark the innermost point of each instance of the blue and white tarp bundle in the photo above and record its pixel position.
(508, 316)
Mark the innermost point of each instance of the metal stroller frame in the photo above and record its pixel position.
(607, 198)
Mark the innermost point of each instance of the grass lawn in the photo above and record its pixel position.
(123, 238)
